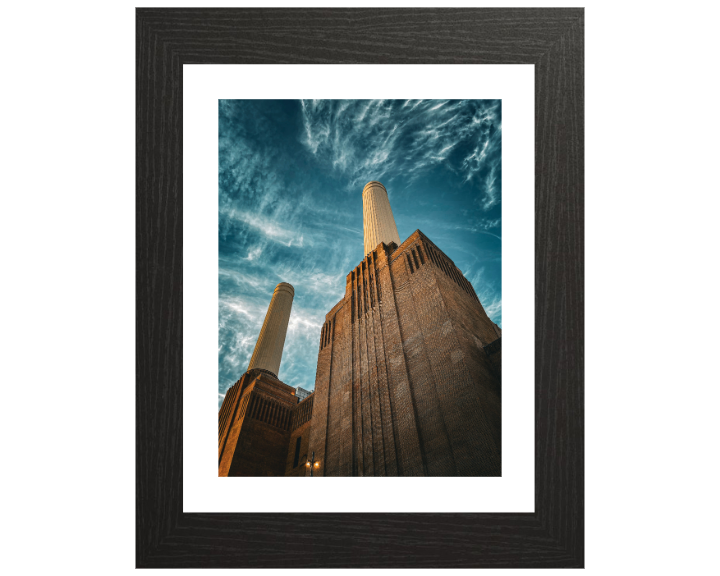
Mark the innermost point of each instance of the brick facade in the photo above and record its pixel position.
(404, 383)
(297, 453)
(408, 382)
(255, 426)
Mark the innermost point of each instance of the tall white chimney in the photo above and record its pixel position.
(269, 347)
(378, 222)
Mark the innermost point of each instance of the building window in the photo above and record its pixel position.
(297, 452)
(409, 263)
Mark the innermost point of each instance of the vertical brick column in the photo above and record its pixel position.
(343, 352)
(372, 371)
(417, 310)
(321, 405)
(407, 441)
(388, 435)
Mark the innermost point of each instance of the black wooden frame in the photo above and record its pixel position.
(552, 40)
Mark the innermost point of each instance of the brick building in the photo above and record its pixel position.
(263, 428)
(408, 378)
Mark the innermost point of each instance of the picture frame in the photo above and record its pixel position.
(550, 39)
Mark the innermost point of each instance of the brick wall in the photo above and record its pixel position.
(303, 433)
(404, 385)
(259, 423)
(254, 425)
(408, 382)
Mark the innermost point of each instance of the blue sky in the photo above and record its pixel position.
(291, 175)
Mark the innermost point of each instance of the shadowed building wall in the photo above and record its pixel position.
(297, 453)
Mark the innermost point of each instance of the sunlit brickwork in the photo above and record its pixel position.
(408, 378)
(407, 382)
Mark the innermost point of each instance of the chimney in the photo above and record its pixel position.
(269, 346)
(378, 222)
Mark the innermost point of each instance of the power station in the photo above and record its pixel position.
(408, 378)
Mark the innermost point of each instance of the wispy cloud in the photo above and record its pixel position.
(494, 311)
(270, 229)
(488, 291)
(290, 208)
(481, 227)
(402, 140)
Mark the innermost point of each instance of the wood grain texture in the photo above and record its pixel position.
(552, 40)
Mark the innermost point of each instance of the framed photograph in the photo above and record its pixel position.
(359, 195)
(391, 363)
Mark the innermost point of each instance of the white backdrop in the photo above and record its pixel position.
(67, 229)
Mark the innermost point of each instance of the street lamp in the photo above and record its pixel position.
(312, 464)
